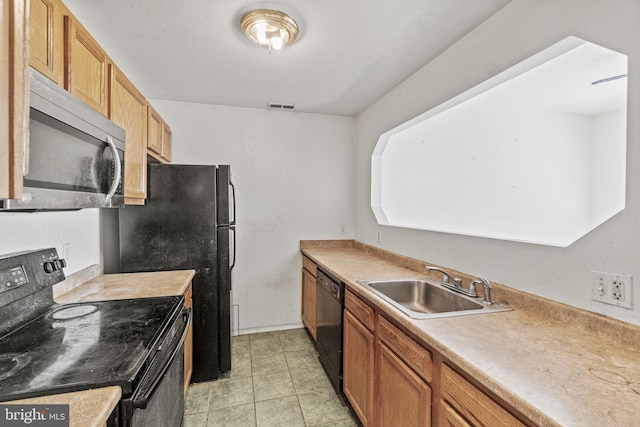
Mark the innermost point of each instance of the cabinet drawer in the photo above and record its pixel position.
(450, 418)
(309, 265)
(360, 310)
(410, 351)
(475, 406)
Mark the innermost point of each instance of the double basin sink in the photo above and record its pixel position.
(427, 299)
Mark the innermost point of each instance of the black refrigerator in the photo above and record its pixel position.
(188, 222)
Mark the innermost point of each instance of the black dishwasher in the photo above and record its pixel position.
(329, 326)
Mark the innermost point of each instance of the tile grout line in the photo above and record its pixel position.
(281, 346)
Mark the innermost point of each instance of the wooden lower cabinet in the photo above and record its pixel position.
(385, 372)
(391, 378)
(309, 296)
(450, 418)
(188, 342)
(358, 367)
(470, 403)
(402, 397)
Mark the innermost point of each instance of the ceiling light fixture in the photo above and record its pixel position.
(270, 28)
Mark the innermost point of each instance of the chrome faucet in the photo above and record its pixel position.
(453, 283)
(487, 289)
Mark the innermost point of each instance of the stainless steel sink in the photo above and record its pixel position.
(426, 299)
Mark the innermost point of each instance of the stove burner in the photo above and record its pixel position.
(73, 312)
(11, 363)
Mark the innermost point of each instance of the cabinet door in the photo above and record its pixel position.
(14, 97)
(154, 135)
(85, 66)
(188, 342)
(403, 398)
(309, 302)
(128, 109)
(358, 364)
(166, 142)
(46, 38)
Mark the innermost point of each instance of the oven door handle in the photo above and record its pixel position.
(153, 377)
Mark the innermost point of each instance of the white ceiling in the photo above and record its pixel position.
(348, 55)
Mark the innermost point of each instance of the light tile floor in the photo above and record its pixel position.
(276, 381)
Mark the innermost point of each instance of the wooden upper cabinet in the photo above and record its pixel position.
(154, 131)
(166, 141)
(85, 66)
(128, 109)
(46, 38)
(14, 97)
(159, 137)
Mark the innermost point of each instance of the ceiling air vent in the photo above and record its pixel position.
(283, 107)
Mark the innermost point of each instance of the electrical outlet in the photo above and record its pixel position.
(379, 237)
(342, 229)
(610, 288)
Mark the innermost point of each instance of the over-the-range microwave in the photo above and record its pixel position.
(76, 155)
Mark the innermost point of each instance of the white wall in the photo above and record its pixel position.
(521, 29)
(295, 180)
(39, 230)
(609, 143)
(525, 170)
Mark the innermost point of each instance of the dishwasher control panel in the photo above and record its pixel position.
(333, 285)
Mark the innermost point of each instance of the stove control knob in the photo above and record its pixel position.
(49, 267)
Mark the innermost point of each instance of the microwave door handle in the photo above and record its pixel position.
(118, 172)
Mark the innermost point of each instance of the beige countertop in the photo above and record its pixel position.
(89, 408)
(130, 285)
(555, 372)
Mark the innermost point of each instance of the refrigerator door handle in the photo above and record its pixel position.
(233, 201)
(233, 263)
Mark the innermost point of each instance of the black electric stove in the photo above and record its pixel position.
(79, 346)
(49, 348)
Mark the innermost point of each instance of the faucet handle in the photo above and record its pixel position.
(446, 277)
(487, 289)
(456, 280)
